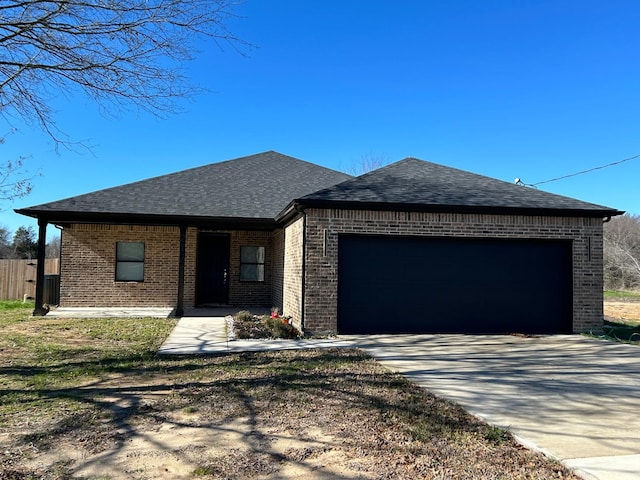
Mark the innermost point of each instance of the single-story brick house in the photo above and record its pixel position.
(410, 247)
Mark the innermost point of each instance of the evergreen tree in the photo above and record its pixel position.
(25, 243)
(5, 244)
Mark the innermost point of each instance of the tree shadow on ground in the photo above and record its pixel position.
(278, 395)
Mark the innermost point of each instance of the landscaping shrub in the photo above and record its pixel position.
(247, 325)
(281, 328)
(244, 316)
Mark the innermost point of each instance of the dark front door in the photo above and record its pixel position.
(212, 281)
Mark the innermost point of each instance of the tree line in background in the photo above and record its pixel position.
(622, 253)
(24, 244)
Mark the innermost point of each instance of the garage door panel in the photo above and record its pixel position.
(444, 285)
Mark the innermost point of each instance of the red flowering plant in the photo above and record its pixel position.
(275, 314)
(281, 326)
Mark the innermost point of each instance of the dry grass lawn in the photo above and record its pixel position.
(88, 399)
(622, 311)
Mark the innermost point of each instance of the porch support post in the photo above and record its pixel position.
(39, 310)
(183, 242)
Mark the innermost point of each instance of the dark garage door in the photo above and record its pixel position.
(444, 285)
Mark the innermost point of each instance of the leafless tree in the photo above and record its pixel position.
(366, 163)
(120, 53)
(622, 252)
(15, 180)
(53, 248)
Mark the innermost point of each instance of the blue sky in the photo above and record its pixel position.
(528, 89)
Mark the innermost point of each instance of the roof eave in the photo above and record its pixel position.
(67, 217)
(494, 210)
(289, 212)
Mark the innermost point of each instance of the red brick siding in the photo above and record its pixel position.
(250, 293)
(293, 259)
(89, 259)
(190, 267)
(322, 271)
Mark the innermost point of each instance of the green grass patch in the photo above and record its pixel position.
(621, 332)
(621, 295)
(15, 305)
(44, 359)
(497, 435)
(203, 471)
(14, 311)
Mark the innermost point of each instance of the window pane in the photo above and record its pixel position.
(252, 254)
(252, 273)
(130, 251)
(129, 271)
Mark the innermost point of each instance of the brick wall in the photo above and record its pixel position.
(88, 267)
(292, 285)
(189, 266)
(322, 260)
(245, 293)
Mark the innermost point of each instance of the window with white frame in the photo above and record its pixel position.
(129, 262)
(252, 264)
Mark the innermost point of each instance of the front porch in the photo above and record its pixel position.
(149, 312)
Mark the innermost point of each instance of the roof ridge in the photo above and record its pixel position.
(252, 186)
(416, 182)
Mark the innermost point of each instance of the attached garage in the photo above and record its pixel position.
(416, 247)
(394, 284)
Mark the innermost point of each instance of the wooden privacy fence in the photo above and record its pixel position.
(18, 277)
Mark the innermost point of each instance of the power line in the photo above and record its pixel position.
(586, 171)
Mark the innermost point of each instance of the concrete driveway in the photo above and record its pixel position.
(575, 398)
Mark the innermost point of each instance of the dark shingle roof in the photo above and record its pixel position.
(253, 187)
(258, 189)
(418, 184)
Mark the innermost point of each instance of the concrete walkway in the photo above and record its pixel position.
(207, 336)
(109, 312)
(573, 398)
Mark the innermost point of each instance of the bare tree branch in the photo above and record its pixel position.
(121, 53)
(15, 179)
(367, 163)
